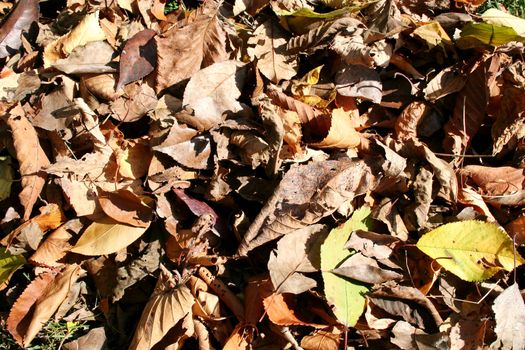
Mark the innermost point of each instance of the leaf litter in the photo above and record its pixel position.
(262, 174)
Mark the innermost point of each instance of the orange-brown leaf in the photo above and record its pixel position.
(125, 207)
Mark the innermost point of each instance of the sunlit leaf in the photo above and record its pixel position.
(472, 250)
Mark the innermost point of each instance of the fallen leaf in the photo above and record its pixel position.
(93, 57)
(284, 311)
(18, 21)
(21, 312)
(106, 237)
(273, 60)
(359, 81)
(125, 207)
(472, 250)
(178, 58)
(321, 340)
(138, 57)
(31, 158)
(88, 30)
(346, 296)
(48, 303)
(168, 305)
(214, 90)
(364, 269)
(95, 339)
(293, 257)
(6, 177)
(509, 310)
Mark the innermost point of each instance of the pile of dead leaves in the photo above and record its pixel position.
(263, 174)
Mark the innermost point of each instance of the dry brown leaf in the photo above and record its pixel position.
(516, 229)
(214, 90)
(499, 185)
(138, 57)
(408, 121)
(19, 20)
(101, 85)
(282, 309)
(31, 158)
(48, 303)
(178, 58)
(56, 245)
(240, 339)
(50, 217)
(306, 194)
(21, 311)
(359, 81)
(446, 82)
(339, 132)
(126, 207)
(273, 60)
(137, 101)
(86, 31)
(295, 255)
(168, 305)
(94, 57)
(95, 339)
(361, 268)
(321, 340)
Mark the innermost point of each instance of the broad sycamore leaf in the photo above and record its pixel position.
(106, 237)
(346, 296)
(472, 250)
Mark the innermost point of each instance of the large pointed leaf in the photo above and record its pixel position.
(472, 250)
(138, 58)
(346, 296)
(106, 237)
(19, 20)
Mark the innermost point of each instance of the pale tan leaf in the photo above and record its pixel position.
(106, 237)
(321, 340)
(509, 310)
(359, 81)
(95, 339)
(273, 59)
(339, 132)
(294, 255)
(446, 82)
(56, 245)
(168, 305)
(86, 31)
(214, 90)
(178, 58)
(31, 158)
(54, 294)
(101, 85)
(94, 57)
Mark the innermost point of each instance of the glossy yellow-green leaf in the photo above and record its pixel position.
(472, 250)
(106, 237)
(6, 177)
(346, 295)
(479, 34)
(9, 264)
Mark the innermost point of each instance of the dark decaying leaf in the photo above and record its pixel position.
(138, 58)
(19, 20)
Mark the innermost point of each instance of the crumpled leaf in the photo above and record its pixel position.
(295, 254)
(273, 60)
(346, 296)
(168, 305)
(472, 250)
(305, 195)
(138, 57)
(499, 185)
(359, 81)
(50, 300)
(94, 57)
(179, 58)
(86, 31)
(31, 158)
(214, 90)
(18, 21)
(509, 310)
(106, 236)
(446, 82)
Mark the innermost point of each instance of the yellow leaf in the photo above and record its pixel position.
(472, 250)
(433, 34)
(106, 237)
(8, 265)
(86, 31)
